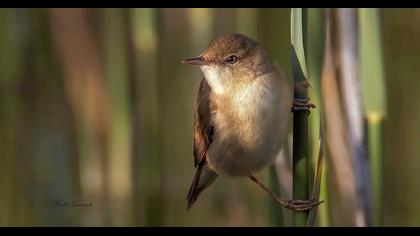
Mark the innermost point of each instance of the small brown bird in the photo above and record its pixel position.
(241, 115)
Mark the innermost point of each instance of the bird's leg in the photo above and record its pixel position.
(294, 205)
(302, 104)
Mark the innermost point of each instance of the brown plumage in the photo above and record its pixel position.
(241, 111)
(203, 136)
(241, 115)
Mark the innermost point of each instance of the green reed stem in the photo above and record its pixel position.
(300, 118)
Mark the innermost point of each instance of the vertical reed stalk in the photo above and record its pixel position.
(350, 89)
(373, 84)
(117, 79)
(300, 118)
(342, 181)
(10, 73)
(88, 97)
(147, 161)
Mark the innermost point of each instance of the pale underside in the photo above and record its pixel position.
(250, 122)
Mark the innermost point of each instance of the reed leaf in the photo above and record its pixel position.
(297, 33)
(315, 44)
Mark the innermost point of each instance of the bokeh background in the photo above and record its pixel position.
(96, 107)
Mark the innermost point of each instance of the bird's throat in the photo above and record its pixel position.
(214, 78)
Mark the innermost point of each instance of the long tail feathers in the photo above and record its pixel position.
(194, 191)
(203, 178)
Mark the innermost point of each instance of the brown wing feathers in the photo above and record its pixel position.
(203, 136)
(203, 130)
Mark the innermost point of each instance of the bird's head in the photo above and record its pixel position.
(230, 59)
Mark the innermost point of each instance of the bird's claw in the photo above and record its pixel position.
(302, 104)
(301, 205)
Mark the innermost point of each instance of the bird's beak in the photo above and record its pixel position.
(200, 61)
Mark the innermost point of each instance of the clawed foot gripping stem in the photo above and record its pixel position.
(294, 205)
(302, 104)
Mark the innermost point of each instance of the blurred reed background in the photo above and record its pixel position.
(95, 106)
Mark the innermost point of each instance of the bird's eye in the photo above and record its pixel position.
(232, 59)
